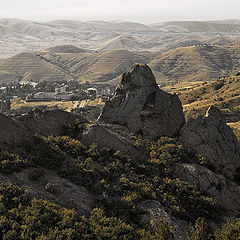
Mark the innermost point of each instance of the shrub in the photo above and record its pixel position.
(217, 85)
(200, 231)
(229, 231)
(12, 162)
(51, 188)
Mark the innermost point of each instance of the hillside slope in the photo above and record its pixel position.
(160, 192)
(223, 93)
(196, 63)
(17, 35)
(67, 62)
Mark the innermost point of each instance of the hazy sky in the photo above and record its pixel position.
(145, 11)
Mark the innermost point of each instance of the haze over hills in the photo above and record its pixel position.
(18, 35)
(67, 62)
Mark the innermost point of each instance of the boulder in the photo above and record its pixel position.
(225, 192)
(214, 139)
(48, 122)
(112, 136)
(63, 192)
(152, 211)
(142, 107)
(12, 133)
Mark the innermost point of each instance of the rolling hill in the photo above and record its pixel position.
(196, 63)
(200, 26)
(223, 93)
(17, 35)
(67, 62)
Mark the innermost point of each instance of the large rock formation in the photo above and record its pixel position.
(114, 137)
(142, 107)
(225, 192)
(151, 211)
(215, 140)
(12, 133)
(48, 122)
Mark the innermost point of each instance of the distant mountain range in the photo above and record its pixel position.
(67, 62)
(18, 35)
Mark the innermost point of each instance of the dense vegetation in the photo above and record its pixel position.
(118, 182)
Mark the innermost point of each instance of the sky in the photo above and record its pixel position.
(144, 11)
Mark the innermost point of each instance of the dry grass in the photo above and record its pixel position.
(17, 104)
(236, 128)
(196, 98)
(65, 105)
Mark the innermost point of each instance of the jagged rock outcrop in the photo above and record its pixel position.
(142, 107)
(12, 133)
(112, 136)
(215, 140)
(15, 131)
(225, 192)
(63, 192)
(48, 122)
(152, 212)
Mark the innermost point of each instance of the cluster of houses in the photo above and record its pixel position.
(80, 92)
(60, 94)
(53, 92)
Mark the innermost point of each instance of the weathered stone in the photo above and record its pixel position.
(12, 133)
(142, 107)
(66, 193)
(225, 192)
(48, 122)
(112, 136)
(152, 212)
(215, 140)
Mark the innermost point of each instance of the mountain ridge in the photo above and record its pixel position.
(67, 62)
(19, 35)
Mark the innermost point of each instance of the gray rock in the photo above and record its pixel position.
(112, 136)
(66, 194)
(48, 122)
(215, 140)
(225, 192)
(12, 133)
(152, 211)
(142, 107)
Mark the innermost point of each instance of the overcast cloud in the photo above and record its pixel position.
(145, 11)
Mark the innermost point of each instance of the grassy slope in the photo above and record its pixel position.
(197, 97)
(195, 63)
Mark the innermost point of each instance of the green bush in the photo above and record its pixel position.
(12, 162)
(51, 188)
(229, 231)
(200, 231)
(21, 218)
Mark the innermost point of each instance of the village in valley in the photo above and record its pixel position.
(44, 94)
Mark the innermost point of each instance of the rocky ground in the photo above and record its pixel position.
(140, 108)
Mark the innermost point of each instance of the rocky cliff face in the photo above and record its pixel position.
(12, 132)
(48, 122)
(15, 131)
(142, 107)
(215, 140)
(225, 192)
